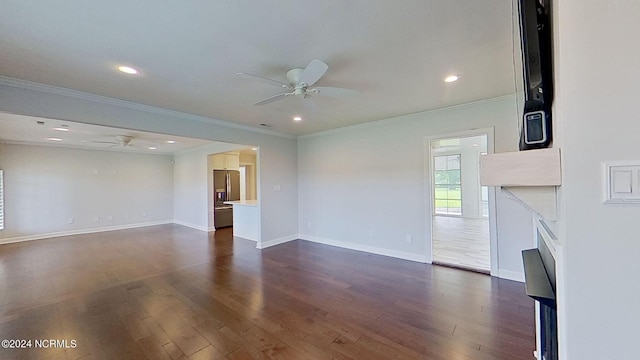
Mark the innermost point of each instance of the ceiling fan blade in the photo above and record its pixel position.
(313, 72)
(334, 91)
(104, 142)
(272, 99)
(263, 80)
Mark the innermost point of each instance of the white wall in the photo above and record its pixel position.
(370, 179)
(47, 186)
(597, 115)
(277, 160)
(249, 161)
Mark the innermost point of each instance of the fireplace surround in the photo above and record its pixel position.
(540, 267)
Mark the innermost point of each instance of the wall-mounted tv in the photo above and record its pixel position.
(535, 39)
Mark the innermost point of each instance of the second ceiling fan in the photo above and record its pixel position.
(301, 82)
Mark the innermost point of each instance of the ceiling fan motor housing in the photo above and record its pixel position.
(299, 88)
(294, 76)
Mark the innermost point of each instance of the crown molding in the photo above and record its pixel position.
(80, 95)
(87, 148)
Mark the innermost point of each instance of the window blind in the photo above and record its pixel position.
(1, 202)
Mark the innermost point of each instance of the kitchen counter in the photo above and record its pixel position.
(245, 219)
(243, 202)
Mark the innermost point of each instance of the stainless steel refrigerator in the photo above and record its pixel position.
(226, 184)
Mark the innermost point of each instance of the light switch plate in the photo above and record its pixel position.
(622, 182)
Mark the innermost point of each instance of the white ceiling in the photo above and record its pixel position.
(395, 52)
(28, 130)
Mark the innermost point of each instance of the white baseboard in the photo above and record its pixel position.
(80, 232)
(369, 249)
(249, 235)
(248, 239)
(193, 226)
(511, 275)
(274, 242)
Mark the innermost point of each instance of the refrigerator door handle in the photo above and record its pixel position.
(228, 192)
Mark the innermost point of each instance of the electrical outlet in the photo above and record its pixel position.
(96, 218)
(409, 239)
(144, 214)
(70, 221)
(371, 234)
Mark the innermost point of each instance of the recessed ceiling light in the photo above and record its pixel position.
(128, 70)
(451, 78)
(61, 128)
(297, 118)
(54, 139)
(171, 142)
(152, 148)
(254, 149)
(475, 145)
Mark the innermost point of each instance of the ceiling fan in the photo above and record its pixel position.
(118, 141)
(300, 82)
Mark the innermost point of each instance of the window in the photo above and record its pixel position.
(447, 187)
(1, 202)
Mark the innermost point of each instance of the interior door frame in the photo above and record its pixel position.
(429, 197)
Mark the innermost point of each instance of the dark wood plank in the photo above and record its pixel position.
(169, 292)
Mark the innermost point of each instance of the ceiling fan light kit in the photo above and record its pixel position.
(301, 82)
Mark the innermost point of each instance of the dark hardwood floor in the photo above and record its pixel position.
(169, 292)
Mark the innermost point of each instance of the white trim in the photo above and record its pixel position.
(244, 238)
(537, 353)
(274, 242)
(80, 232)
(548, 236)
(259, 191)
(428, 197)
(126, 150)
(511, 275)
(194, 226)
(557, 251)
(368, 249)
(56, 90)
(489, 132)
(561, 303)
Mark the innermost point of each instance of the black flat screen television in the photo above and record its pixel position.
(535, 39)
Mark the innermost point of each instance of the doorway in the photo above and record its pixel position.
(461, 234)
